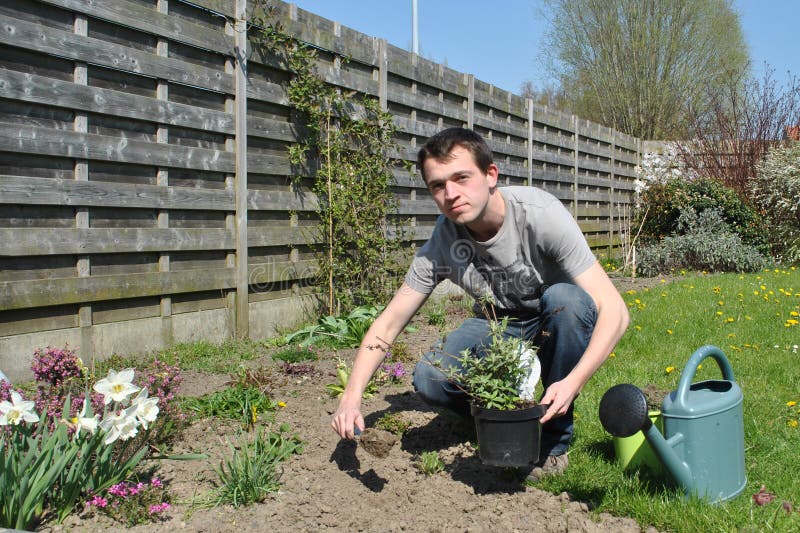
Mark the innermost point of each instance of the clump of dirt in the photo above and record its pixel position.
(377, 442)
(654, 396)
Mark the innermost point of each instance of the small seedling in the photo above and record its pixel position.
(430, 463)
(342, 377)
(393, 423)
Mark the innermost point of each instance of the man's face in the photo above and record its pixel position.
(459, 188)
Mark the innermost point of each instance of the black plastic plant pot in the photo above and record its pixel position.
(508, 437)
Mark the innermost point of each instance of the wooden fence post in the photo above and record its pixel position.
(470, 101)
(162, 179)
(529, 101)
(575, 167)
(612, 193)
(240, 182)
(81, 173)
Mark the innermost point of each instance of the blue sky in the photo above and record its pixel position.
(499, 42)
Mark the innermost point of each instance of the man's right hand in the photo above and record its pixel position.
(346, 418)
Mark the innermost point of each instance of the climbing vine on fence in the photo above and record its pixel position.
(345, 141)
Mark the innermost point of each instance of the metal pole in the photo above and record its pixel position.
(414, 28)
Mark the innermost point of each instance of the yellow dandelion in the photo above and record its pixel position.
(729, 319)
(794, 313)
(281, 404)
(612, 354)
(670, 369)
(632, 291)
(699, 367)
(720, 303)
(792, 423)
(731, 335)
(791, 403)
(719, 313)
(637, 327)
(669, 332)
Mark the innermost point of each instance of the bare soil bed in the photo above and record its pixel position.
(335, 485)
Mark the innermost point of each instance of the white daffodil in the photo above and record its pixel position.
(146, 408)
(117, 386)
(17, 411)
(81, 421)
(122, 425)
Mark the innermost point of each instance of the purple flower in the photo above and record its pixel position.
(156, 483)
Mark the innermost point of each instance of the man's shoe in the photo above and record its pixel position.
(549, 466)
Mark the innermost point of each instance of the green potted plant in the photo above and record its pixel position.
(635, 451)
(500, 383)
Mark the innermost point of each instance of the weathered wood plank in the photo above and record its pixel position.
(45, 141)
(59, 241)
(59, 291)
(264, 200)
(321, 32)
(137, 16)
(274, 271)
(15, 32)
(223, 7)
(50, 91)
(46, 191)
(423, 102)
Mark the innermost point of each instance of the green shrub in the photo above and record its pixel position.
(664, 202)
(701, 242)
(776, 190)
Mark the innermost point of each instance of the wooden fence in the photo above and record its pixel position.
(145, 196)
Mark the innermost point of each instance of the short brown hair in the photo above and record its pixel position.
(440, 145)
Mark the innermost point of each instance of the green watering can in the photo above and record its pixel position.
(703, 442)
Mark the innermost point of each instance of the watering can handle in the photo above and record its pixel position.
(687, 375)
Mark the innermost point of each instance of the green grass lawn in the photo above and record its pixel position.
(753, 319)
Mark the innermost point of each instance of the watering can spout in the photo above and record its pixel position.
(664, 450)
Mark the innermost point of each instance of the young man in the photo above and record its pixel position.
(520, 247)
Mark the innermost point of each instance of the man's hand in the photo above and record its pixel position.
(560, 396)
(345, 418)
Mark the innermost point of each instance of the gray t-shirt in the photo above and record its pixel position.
(538, 245)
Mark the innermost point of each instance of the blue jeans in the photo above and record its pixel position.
(562, 332)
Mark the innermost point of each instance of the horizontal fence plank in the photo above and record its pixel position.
(46, 141)
(139, 17)
(61, 241)
(46, 191)
(14, 32)
(59, 291)
(277, 271)
(50, 91)
(223, 7)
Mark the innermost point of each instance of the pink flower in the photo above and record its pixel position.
(156, 483)
(97, 501)
(120, 490)
(159, 508)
